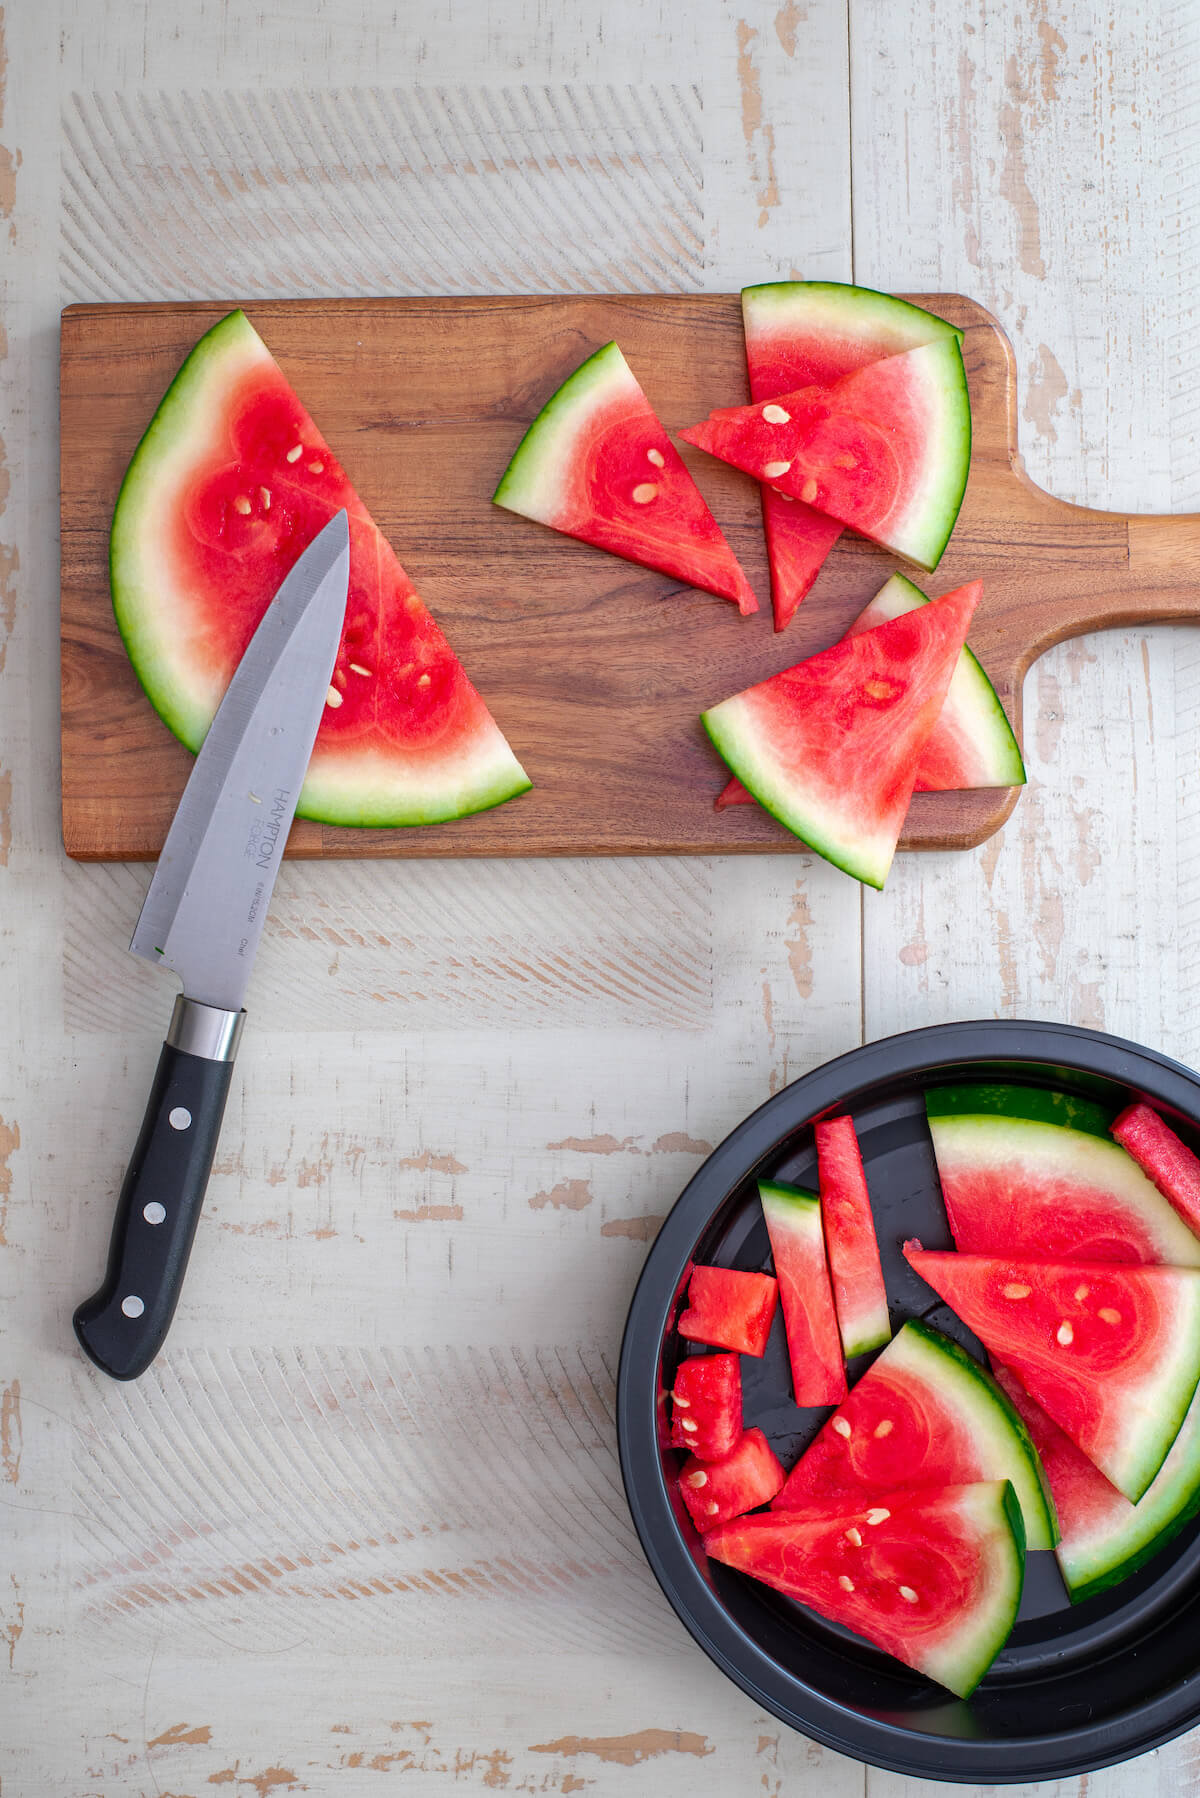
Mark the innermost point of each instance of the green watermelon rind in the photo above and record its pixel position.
(959, 1380)
(985, 1140)
(818, 305)
(932, 514)
(852, 850)
(1040, 1104)
(337, 789)
(1170, 1501)
(970, 698)
(531, 484)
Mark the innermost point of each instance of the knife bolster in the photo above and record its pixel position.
(205, 1030)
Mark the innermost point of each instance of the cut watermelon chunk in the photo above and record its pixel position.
(1104, 1538)
(1014, 1185)
(729, 1309)
(597, 465)
(230, 483)
(798, 1248)
(1111, 1353)
(933, 1577)
(1169, 1163)
(858, 1289)
(706, 1405)
(885, 449)
(810, 334)
(924, 1414)
(831, 746)
(715, 1491)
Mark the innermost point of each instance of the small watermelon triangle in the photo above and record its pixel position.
(831, 746)
(885, 450)
(596, 464)
(1111, 1353)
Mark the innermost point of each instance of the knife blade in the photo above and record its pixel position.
(203, 916)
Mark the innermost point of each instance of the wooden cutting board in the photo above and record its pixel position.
(596, 670)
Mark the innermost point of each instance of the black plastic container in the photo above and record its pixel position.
(1078, 1686)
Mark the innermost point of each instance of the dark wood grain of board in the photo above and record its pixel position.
(596, 670)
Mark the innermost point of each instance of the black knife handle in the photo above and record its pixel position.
(123, 1325)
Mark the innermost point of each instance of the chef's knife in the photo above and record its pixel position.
(203, 916)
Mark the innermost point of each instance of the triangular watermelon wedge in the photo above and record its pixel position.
(1111, 1353)
(231, 481)
(885, 450)
(596, 464)
(809, 334)
(831, 746)
(971, 745)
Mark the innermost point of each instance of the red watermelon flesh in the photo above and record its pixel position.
(715, 1491)
(706, 1405)
(230, 483)
(729, 1309)
(798, 1250)
(810, 334)
(1160, 1154)
(886, 449)
(1111, 1353)
(831, 746)
(596, 464)
(933, 1577)
(857, 1277)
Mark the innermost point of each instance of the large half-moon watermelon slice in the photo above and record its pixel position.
(1028, 1186)
(886, 449)
(597, 465)
(1103, 1537)
(231, 481)
(923, 1414)
(810, 334)
(831, 746)
(1111, 1353)
(932, 1577)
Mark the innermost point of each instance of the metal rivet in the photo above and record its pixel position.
(132, 1306)
(180, 1118)
(154, 1213)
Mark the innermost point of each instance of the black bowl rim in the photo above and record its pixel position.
(936, 1048)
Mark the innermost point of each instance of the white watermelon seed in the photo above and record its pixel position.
(357, 668)
(657, 457)
(907, 1593)
(1108, 1315)
(1016, 1290)
(841, 1427)
(295, 453)
(1066, 1334)
(845, 460)
(689, 1424)
(681, 1403)
(878, 1514)
(697, 1479)
(423, 680)
(333, 698)
(264, 493)
(845, 1583)
(712, 1509)
(808, 492)
(644, 492)
(1081, 1292)
(854, 1538)
(315, 467)
(775, 415)
(241, 504)
(789, 497)
(885, 1427)
(772, 469)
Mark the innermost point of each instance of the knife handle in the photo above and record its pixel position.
(123, 1325)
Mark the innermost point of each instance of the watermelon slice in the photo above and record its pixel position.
(1169, 1163)
(933, 1577)
(858, 1289)
(831, 746)
(924, 1414)
(798, 1248)
(706, 1405)
(230, 483)
(1105, 1538)
(1015, 1185)
(972, 743)
(809, 334)
(1111, 1353)
(729, 1309)
(885, 449)
(715, 1491)
(597, 465)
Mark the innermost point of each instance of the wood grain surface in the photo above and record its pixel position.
(596, 670)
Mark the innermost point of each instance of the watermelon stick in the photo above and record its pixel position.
(858, 1289)
(1160, 1154)
(798, 1246)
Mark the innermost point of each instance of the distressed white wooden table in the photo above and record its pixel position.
(364, 1517)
